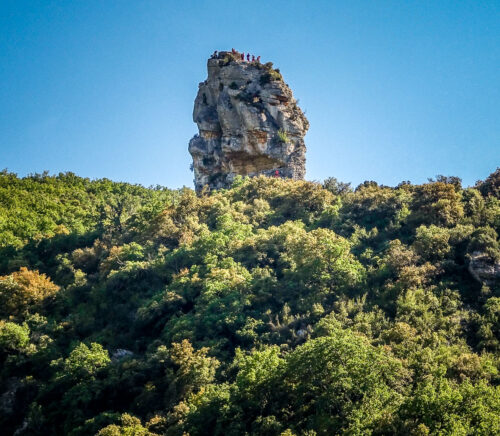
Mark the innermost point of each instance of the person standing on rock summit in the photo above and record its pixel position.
(243, 56)
(248, 57)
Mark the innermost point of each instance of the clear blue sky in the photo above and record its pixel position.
(394, 90)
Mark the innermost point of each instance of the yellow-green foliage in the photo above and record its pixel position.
(283, 137)
(23, 290)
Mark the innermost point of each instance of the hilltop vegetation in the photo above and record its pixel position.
(276, 307)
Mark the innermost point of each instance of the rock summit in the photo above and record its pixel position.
(249, 124)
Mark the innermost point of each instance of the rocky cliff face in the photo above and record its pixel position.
(484, 269)
(249, 124)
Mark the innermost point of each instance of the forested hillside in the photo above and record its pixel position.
(276, 307)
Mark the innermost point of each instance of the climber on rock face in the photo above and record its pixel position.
(276, 173)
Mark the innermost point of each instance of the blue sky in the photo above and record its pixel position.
(394, 90)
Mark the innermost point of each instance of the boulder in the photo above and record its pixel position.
(484, 269)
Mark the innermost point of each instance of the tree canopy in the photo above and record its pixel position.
(276, 307)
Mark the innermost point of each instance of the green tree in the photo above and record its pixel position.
(24, 290)
(13, 337)
(129, 426)
(85, 361)
(432, 242)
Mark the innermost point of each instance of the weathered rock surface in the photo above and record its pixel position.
(484, 269)
(121, 353)
(249, 124)
(8, 398)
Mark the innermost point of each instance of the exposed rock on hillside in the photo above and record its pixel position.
(249, 124)
(484, 269)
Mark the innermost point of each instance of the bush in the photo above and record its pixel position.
(432, 242)
(335, 187)
(283, 137)
(24, 290)
(491, 186)
(13, 337)
(270, 74)
(485, 240)
(84, 361)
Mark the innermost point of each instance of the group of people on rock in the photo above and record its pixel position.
(249, 57)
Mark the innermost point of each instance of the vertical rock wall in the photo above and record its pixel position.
(249, 124)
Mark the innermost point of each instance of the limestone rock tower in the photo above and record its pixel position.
(249, 124)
